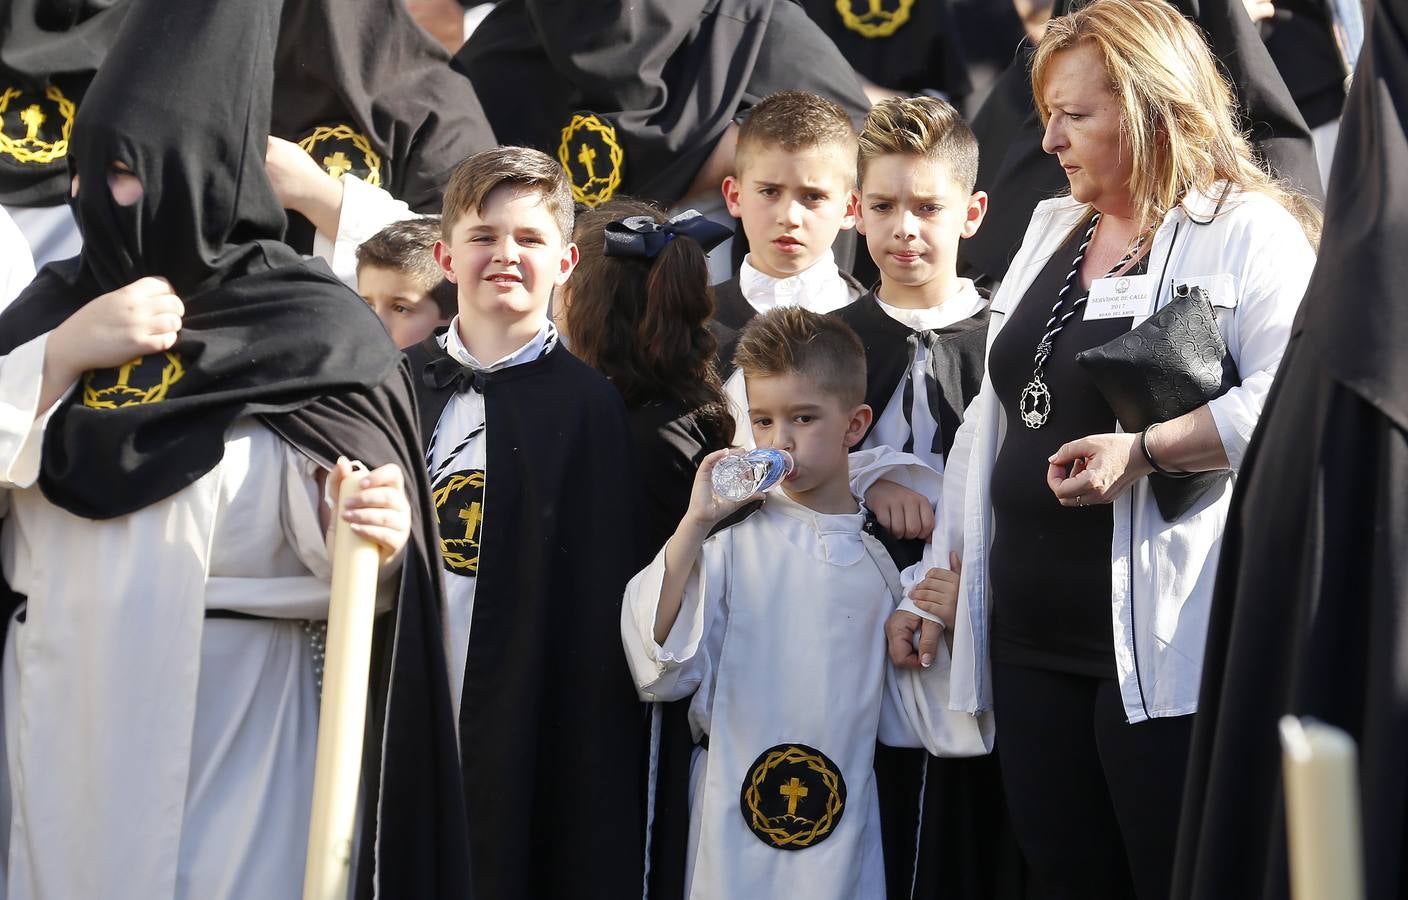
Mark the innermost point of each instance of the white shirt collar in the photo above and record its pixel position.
(530, 351)
(964, 304)
(819, 288)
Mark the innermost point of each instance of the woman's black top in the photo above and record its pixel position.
(1050, 565)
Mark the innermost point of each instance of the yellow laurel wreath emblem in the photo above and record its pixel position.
(809, 831)
(324, 133)
(31, 148)
(124, 393)
(876, 21)
(462, 554)
(591, 189)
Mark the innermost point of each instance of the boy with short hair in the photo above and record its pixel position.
(787, 719)
(399, 278)
(529, 454)
(925, 336)
(794, 170)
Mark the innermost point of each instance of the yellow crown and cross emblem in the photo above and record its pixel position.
(459, 509)
(592, 157)
(874, 18)
(341, 149)
(35, 127)
(793, 797)
(143, 380)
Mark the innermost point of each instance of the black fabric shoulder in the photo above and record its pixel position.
(737, 517)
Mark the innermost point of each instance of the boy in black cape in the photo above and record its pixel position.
(208, 344)
(925, 336)
(530, 460)
(1307, 617)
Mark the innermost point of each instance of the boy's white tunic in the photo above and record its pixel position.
(780, 640)
(152, 752)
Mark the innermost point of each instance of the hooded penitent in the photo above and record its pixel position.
(632, 97)
(183, 101)
(1309, 613)
(49, 50)
(1018, 174)
(364, 90)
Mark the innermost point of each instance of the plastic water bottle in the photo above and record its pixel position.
(739, 476)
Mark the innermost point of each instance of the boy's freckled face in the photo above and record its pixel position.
(409, 313)
(505, 261)
(792, 204)
(913, 214)
(790, 412)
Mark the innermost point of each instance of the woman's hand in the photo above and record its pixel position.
(1095, 469)
(379, 511)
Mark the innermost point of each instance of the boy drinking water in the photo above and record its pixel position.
(788, 713)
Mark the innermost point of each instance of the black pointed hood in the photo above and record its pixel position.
(192, 125)
(364, 68)
(49, 50)
(1018, 174)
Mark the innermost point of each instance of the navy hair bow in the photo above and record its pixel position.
(644, 237)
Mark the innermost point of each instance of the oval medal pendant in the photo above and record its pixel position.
(1035, 403)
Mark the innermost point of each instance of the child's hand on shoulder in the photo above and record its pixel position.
(706, 508)
(900, 511)
(937, 593)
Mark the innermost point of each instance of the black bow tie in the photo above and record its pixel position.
(446, 372)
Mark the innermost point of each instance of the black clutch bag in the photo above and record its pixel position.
(1173, 363)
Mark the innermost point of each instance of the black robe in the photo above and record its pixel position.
(910, 45)
(550, 724)
(49, 50)
(966, 848)
(183, 99)
(633, 97)
(1018, 174)
(1310, 611)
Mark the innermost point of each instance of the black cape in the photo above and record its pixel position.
(49, 50)
(965, 846)
(1309, 612)
(905, 45)
(632, 97)
(1018, 174)
(550, 724)
(131, 436)
(365, 91)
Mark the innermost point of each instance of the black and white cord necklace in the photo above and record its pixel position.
(1035, 401)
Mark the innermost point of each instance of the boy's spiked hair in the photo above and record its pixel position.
(795, 341)
(408, 247)
(794, 120)
(475, 178)
(921, 126)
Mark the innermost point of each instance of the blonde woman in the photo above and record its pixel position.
(1091, 607)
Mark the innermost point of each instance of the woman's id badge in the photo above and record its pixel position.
(1120, 297)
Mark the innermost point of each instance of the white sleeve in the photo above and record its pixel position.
(16, 262)
(365, 211)
(905, 469)
(917, 701)
(1278, 266)
(22, 423)
(948, 520)
(675, 669)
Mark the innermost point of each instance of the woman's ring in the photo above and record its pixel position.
(1080, 499)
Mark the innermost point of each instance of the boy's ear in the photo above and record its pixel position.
(443, 260)
(977, 210)
(570, 257)
(859, 424)
(849, 220)
(731, 189)
(853, 210)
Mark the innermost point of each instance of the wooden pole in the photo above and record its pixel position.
(342, 717)
(1322, 811)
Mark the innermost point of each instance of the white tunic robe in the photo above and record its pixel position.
(152, 752)
(780, 641)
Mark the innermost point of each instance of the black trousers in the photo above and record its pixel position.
(1094, 800)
